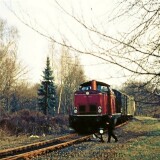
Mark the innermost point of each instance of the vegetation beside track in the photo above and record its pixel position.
(139, 139)
(26, 127)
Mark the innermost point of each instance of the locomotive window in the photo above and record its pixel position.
(103, 88)
(85, 88)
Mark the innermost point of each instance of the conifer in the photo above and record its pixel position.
(47, 91)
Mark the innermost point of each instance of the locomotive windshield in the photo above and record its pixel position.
(85, 88)
(99, 88)
(102, 88)
(95, 85)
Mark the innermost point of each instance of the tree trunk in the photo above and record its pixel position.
(60, 99)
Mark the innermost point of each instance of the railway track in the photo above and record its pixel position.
(39, 148)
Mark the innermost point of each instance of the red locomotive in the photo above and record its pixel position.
(93, 102)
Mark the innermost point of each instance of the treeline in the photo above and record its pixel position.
(146, 98)
(16, 93)
(11, 70)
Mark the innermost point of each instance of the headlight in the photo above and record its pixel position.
(99, 109)
(101, 131)
(87, 93)
(75, 109)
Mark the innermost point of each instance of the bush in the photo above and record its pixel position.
(3, 114)
(33, 122)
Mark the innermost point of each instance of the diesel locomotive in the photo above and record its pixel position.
(94, 102)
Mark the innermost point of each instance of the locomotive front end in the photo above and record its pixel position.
(88, 113)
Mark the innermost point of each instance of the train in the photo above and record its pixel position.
(94, 101)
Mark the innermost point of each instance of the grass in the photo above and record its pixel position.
(145, 145)
(143, 148)
(139, 140)
(7, 141)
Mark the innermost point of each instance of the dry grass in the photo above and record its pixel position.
(8, 141)
(144, 143)
(139, 140)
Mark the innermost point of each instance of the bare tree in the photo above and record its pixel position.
(70, 75)
(146, 101)
(10, 68)
(24, 96)
(136, 49)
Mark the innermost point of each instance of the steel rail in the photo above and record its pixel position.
(24, 148)
(45, 150)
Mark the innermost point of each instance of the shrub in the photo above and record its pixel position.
(33, 122)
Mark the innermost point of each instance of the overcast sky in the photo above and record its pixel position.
(47, 17)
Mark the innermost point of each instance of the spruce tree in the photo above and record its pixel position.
(47, 91)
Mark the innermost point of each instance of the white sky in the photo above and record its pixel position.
(47, 17)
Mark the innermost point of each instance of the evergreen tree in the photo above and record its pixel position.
(47, 92)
